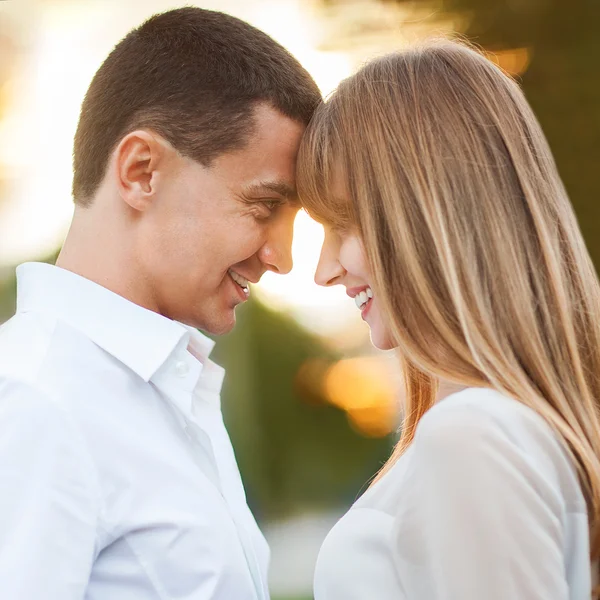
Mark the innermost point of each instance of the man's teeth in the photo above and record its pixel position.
(363, 297)
(241, 281)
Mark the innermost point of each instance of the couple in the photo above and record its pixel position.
(198, 141)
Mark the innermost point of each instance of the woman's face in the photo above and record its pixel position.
(343, 262)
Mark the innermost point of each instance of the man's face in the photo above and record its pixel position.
(212, 229)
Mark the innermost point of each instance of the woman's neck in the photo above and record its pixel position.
(445, 388)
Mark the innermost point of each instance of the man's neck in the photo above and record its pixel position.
(104, 255)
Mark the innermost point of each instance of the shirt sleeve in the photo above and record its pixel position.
(483, 522)
(48, 502)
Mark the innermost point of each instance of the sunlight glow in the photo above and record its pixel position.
(364, 387)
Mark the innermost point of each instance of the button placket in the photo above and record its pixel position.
(207, 412)
(203, 453)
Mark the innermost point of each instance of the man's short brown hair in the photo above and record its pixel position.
(193, 76)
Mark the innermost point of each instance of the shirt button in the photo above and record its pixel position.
(182, 368)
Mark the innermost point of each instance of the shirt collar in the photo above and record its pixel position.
(139, 338)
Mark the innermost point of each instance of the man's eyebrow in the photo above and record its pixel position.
(280, 188)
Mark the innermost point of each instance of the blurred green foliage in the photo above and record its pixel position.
(294, 451)
(561, 82)
(8, 288)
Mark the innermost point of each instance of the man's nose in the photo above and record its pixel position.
(276, 253)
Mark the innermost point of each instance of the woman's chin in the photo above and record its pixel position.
(381, 340)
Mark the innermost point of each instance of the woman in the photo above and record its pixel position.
(446, 219)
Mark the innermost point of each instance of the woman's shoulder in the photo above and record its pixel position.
(486, 427)
(476, 434)
(481, 410)
(476, 419)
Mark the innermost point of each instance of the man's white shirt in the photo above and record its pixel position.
(118, 480)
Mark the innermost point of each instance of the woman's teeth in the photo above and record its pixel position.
(241, 281)
(363, 297)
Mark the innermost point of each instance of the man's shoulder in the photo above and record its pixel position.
(48, 370)
(22, 401)
(24, 346)
(39, 350)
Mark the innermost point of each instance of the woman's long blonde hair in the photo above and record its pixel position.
(475, 252)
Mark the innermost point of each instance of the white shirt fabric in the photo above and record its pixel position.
(118, 480)
(485, 504)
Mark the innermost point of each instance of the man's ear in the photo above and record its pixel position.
(137, 160)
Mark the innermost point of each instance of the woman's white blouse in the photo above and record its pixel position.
(484, 505)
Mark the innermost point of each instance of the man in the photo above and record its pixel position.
(118, 479)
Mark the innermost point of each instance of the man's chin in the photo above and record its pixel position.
(220, 327)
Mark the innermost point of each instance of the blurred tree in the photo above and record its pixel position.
(561, 82)
(294, 452)
(8, 288)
